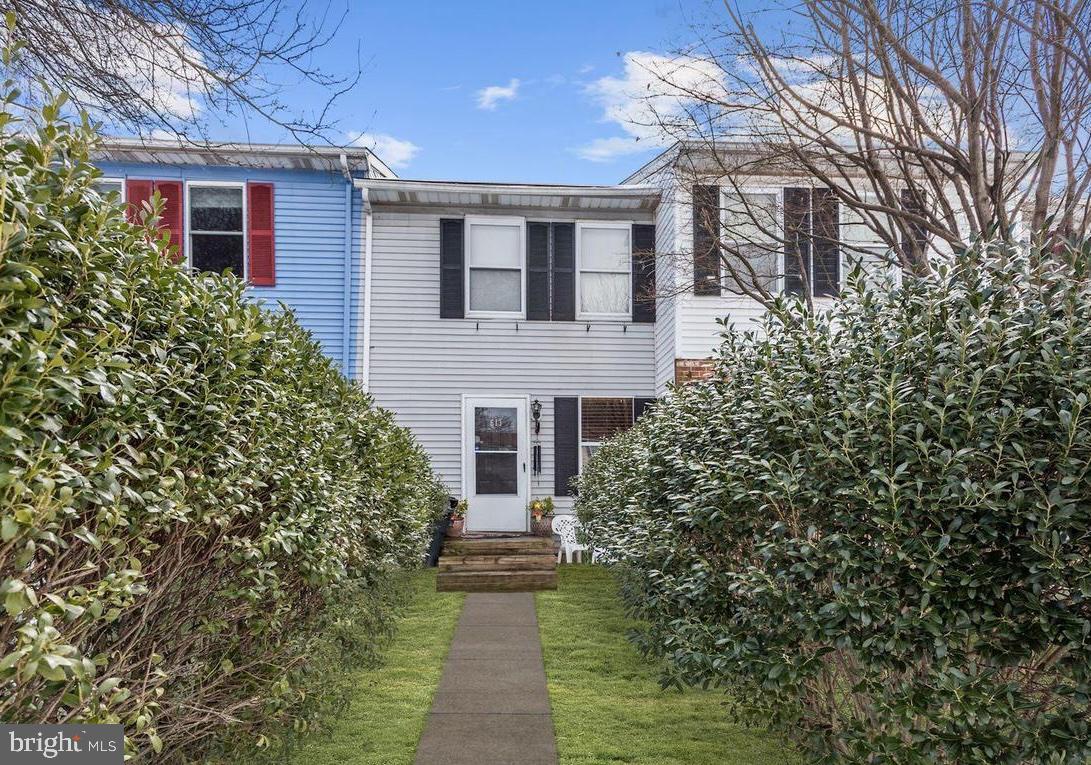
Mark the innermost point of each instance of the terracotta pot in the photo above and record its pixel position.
(455, 529)
(542, 527)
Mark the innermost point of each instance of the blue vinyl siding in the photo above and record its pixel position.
(310, 211)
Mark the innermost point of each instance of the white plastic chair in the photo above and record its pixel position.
(566, 526)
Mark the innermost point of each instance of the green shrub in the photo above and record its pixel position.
(195, 504)
(875, 530)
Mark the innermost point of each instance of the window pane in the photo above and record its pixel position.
(587, 451)
(215, 208)
(601, 418)
(605, 249)
(495, 473)
(107, 187)
(495, 428)
(604, 293)
(751, 217)
(495, 290)
(763, 258)
(495, 246)
(215, 252)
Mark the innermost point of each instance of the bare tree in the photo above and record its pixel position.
(926, 123)
(176, 66)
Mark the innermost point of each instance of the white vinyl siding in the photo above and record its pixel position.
(422, 365)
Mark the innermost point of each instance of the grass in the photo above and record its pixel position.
(607, 703)
(386, 715)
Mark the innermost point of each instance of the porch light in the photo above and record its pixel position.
(536, 415)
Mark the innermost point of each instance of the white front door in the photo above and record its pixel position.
(494, 458)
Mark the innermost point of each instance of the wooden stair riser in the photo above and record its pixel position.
(521, 546)
(496, 581)
(497, 562)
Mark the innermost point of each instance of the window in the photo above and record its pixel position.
(862, 243)
(752, 233)
(217, 241)
(107, 186)
(605, 259)
(494, 261)
(601, 418)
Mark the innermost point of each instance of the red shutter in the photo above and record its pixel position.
(136, 193)
(172, 214)
(263, 272)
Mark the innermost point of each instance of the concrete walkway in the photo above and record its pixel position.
(492, 704)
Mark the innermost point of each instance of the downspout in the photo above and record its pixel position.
(346, 314)
(365, 340)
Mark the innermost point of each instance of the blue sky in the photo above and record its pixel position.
(427, 66)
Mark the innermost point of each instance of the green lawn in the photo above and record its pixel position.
(386, 715)
(607, 704)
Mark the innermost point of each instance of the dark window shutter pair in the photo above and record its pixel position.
(706, 240)
(551, 271)
(812, 253)
(452, 257)
(643, 273)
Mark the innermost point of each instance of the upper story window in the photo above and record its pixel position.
(217, 241)
(605, 276)
(753, 234)
(494, 265)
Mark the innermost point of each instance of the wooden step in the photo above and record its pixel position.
(540, 560)
(495, 581)
(497, 546)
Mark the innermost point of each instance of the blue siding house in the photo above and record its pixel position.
(288, 219)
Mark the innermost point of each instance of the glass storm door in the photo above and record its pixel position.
(495, 463)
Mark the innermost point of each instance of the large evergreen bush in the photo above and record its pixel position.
(875, 530)
(197, 511)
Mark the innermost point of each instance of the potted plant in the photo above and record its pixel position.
(458, 519)
(541, 516)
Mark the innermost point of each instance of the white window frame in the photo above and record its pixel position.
(587, 316)
(776, 191)
(112, 179)
(496, 220)
(188, 238)
(579, 421)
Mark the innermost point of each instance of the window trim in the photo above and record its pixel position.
(495, 220)
(582, 315)
(778, 192)
(113, 179)
(188, 237)
(580, 443)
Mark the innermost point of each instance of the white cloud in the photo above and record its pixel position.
(650, 101)
(488, 98)
(395, 152)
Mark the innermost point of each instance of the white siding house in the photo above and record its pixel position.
(464, 377)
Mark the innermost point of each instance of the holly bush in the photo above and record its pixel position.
(873, 526)
(196, 507)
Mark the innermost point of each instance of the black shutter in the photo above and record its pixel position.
(538, 271)
(644, 273)
(564, 272)
(827, 248)
(566, 443)
(706, 240)
(641, 405)
(451, 261)
(914, 251)
(797, 239)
